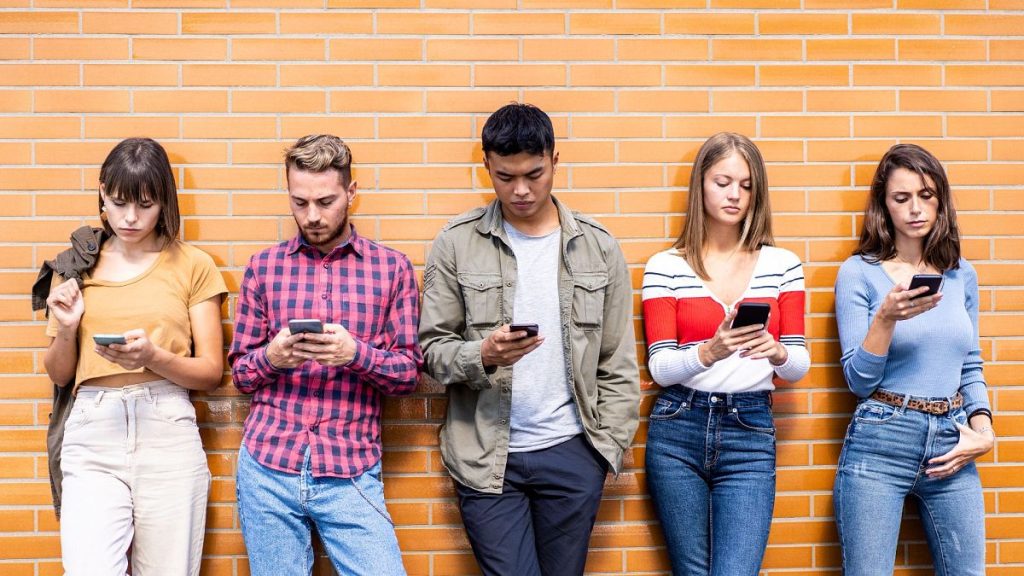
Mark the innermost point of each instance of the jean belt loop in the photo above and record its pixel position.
(149, 394)
(689, 397)
(728, 400)
(771, 399)
(906, 400)
(99, 397)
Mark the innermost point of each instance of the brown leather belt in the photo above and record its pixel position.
(937, 407)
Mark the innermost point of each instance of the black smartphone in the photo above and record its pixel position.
(932, 281)
(530, 329)
(310, 326)
(751, 313)
(108, 339)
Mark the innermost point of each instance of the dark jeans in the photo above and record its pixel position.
(711, 474)
(540, 524)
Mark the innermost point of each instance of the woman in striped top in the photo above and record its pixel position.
(711, 439)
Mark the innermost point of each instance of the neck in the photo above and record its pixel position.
(721, 239)
(910, 251)
(152, 243)
(543, 222)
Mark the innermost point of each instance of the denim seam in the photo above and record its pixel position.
(938, 538)
(371, 503)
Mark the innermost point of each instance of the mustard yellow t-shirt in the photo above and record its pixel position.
(156, 301)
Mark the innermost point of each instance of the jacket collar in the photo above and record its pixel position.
(492, 222)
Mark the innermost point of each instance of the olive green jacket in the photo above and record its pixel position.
(468, 291)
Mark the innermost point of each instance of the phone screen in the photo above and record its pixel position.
(750, 313)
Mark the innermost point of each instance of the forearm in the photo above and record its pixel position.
(61, 358)
(669, 367)
(192, 373)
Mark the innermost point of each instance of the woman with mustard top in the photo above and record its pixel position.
(135, 474)
(913, 360)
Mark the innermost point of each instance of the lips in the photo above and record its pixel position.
(731, 210)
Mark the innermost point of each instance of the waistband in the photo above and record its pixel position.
(151, 388)
(936, 406)
(715, 399)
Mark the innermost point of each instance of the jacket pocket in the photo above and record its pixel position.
(482, 294)
(588, 299)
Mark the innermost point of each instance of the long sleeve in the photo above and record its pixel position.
(791, 330)
(393, 366)
(250, 368)
(972, 380)
(667, 361)
(448, 357)
(862, 369)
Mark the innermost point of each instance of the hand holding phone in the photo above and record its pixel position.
(108, 339)
(530, 329)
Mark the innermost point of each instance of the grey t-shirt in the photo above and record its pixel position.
(543, 411)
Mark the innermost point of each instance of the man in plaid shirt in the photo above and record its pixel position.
(310, 454)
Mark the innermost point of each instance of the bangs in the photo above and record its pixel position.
(128, 185)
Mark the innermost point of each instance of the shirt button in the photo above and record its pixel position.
(327, 265)
(324, 296)
(502, 421)
(316, 394)
(508, 284)
(496, 476)
(314, 429)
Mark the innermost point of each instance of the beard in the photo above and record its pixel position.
(324, 237)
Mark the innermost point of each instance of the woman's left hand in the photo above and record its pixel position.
(766, 346)
(971, 446)
(137, 353)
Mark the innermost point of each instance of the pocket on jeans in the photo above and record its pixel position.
(755, 419)
(175, 409)
(370, 487)
(874, 412)
(666, 408)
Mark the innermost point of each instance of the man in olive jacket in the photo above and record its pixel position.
(537, 415)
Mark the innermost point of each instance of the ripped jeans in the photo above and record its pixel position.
(884, 459)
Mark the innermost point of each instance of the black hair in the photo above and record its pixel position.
(516, 128)
(136, 170)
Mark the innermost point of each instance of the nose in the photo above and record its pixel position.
(312, 214)
(915, 205)
(131, 213)
(733, 192)
(521, 187)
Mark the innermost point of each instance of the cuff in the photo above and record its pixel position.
(264, 365)
(362, 358)
(975, 397)
(477, 377)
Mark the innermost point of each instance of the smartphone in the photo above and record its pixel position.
(530, 329)
(108, 339)
(750, 313)
(311, 326)
(932, 281)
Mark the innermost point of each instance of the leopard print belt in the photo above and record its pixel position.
(937, 407)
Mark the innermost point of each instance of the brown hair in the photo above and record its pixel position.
(942, 245)
(137, 170)
(757, 226)
(320, 153)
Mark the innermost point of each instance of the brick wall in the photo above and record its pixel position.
(633, 86)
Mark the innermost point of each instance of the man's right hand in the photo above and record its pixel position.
(281, 350)
(505, 348)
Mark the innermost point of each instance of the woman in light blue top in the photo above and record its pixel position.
(914, 362)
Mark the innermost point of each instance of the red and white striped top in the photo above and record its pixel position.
(680, 313)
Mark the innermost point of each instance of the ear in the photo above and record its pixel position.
(554, 161)
(351, 189)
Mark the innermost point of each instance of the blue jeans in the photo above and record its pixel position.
(279, 509)
(711, 473)
(884, 458)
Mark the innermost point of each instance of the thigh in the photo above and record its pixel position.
(499, 526)
(565, 486)
(953, 512)
(96, 523)
(678, 484)
(170, 486)
(276, 531)
(743, 490)
(354, 524)
(877, 468)
(96, 527)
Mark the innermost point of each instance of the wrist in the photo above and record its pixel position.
(781, 355)
(704, 356)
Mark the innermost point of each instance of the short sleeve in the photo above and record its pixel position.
(206, 279)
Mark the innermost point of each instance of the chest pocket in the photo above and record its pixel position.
(482, 294)
(588, 299)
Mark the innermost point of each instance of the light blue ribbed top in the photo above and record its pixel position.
(933, 354)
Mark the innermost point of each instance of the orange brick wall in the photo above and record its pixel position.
(633, 86)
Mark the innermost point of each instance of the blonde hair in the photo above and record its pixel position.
(320, 153)
(757, 225)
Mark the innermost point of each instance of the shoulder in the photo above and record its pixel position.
(853, 271)
(670, 259)
(467, 219)
(588, 223)
(276, 251)
(965, 272)
(781, 258)
(386, 254)
(187, 253)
